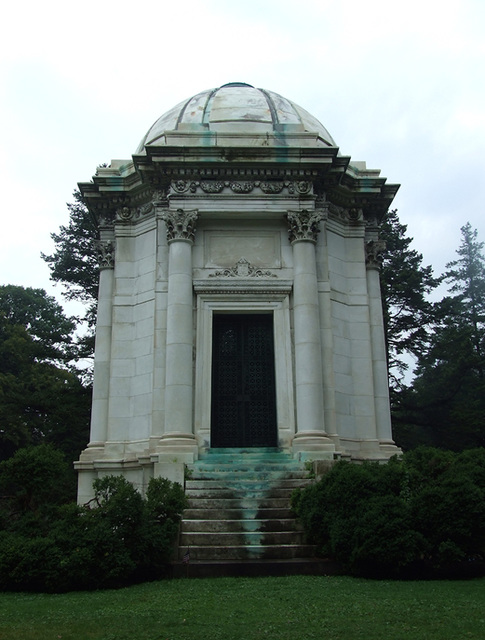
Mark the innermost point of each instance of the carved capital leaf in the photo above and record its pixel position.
(373, 253)
(106, 254)
(180, 224)
(304, 225)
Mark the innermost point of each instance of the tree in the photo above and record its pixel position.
(50, 331)
(74, 264)
(42, 397)
(449, 389)
(467, 279)
(34, 479)
(408, 314)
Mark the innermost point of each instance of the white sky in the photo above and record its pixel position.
(400, 85)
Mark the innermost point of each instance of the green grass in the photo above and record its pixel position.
(296, 608)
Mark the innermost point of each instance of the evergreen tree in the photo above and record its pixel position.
(405, 285)
(449, 389)
(74, 264)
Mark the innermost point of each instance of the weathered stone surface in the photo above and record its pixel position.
(236, 202)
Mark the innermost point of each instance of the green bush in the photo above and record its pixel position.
(423, 511)
(118, 539)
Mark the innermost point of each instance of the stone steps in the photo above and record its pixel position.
(249, 552)
(239, 509)
(241, 538)
(254, 568)
(204, 525)
(254, 503)
(287, 483)
(234, 514)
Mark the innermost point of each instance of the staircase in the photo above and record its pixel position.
(239, 520)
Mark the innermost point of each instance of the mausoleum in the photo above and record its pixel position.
(239, 298)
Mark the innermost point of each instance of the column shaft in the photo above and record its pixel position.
(102, 359)
(179, 370)
(379, 358)
(308, 353)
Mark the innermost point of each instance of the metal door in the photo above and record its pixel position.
(243, 381)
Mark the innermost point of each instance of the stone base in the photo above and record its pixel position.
(173, 471)
(369, 449)
(313, 445)
(177, 448)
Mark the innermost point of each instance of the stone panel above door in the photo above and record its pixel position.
(260, 248)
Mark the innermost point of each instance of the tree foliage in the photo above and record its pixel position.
(42, 397)
(43, 319)
(446, 405)
(74, 263)
(421, 515)
(405, 286)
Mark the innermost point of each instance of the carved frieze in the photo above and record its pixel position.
(180, 224)
(304, 225)
(157, 198)
(242, 269)
(268, 187)
(344, 214)
(106, 254)
(129, 214)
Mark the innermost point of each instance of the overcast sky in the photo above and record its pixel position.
(400, 85)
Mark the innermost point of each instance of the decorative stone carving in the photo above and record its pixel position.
(343, 214)
(160, 197)
(106, 254)
(271, 187)
(180, 224)
(127, 214)
(242, 187)
(243, 269)
(354, 214)
(124, 214)
(301, 187)
(304, 225)
(373, 253)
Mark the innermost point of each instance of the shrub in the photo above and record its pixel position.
(119, 539)
(426, 509)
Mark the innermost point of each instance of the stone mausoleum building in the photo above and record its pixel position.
(239, 298)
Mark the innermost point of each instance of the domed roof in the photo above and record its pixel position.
(237, 108)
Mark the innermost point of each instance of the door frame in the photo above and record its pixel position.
(275, 302)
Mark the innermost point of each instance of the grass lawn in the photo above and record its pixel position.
(295, 608)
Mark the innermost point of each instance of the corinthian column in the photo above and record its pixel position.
(179, 436)
(102, 350)
(310, 441)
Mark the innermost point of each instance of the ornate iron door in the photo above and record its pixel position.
(243, 381)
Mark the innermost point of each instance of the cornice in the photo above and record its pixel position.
(268, 172)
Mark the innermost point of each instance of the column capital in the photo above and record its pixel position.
(180, 224)
(304, 225)
(106, 254)
(373, 253)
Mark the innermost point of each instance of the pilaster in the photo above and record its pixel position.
(373, 254)
(102, 358)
